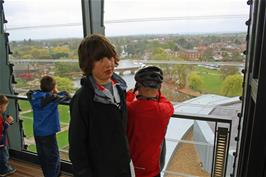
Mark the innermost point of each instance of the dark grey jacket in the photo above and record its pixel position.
(97, 133)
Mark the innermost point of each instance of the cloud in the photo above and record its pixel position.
(26, 13)
(40, 12)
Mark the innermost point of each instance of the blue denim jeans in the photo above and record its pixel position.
(4, 156)
(48, 154)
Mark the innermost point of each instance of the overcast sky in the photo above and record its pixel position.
(214, 16)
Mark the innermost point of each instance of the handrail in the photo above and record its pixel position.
(213, 118)
(201, 117)
(179, 115)
(20, 97)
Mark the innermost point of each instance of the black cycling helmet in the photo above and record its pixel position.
(150, 76)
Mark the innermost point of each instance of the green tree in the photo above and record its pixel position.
(64, 84)
(228, 70)
(182, 72)
(184, 43)
(62, 68)
(195, 82)
(39, 53)
(236, 56)
(159, 54)
(60, 52)
(226, 56)
(232, 85)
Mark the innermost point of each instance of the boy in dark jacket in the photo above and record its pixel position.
(148, 116)
(5, 121)
(46, 124)
(97, 133)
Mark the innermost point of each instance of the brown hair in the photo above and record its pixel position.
(47, 83)
(93, 48)
(3, 100)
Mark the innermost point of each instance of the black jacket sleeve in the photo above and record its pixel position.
(78, 138)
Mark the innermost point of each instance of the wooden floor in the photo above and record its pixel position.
(26, 169)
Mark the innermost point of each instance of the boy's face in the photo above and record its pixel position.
(3, 108)
(103, 70)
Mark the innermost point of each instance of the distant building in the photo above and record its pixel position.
(218, 57)
(201, 48)
(191, 54)
(24, 68)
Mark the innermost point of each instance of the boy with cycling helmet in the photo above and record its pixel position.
(148, 116)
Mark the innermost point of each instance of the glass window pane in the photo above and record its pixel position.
(198, 45)
(44, 37)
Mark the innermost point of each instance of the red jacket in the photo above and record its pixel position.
(147, 124)
(3, 131)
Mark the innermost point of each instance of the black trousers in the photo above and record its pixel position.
(48, 155)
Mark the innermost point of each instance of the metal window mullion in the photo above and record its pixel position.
(86, 17)
(92, 16)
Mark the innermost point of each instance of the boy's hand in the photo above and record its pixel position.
(55, 90)
(65, 93)
(9, 120)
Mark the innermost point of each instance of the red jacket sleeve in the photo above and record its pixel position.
(166, 106)
(2, 123)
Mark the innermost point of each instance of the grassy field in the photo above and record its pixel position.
(24, 105)
(27, 127)
(62, 139)
(32, 148)
(64, 113)
(212, 81)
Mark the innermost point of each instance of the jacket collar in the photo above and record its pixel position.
(103, 95)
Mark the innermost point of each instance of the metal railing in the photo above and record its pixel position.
(20, 97)
(221, 141)
(220, 144)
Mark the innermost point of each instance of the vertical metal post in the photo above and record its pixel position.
(6, 79)
(214, 147)
(228, 145)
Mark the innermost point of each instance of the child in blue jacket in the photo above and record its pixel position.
(46, 124)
